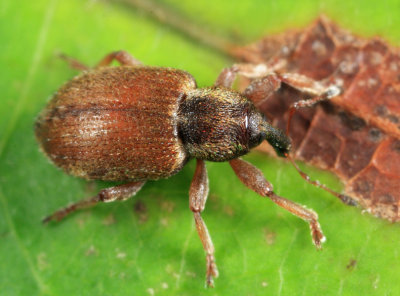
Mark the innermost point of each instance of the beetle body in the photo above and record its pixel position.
(140, 123)
(135, 123)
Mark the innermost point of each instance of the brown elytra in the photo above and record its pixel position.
(97, 124)
(135, 123)
(355, 135)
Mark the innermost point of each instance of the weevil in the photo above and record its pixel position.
(135, 123)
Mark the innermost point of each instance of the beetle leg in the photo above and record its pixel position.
(261, 89)
(197, 200)
(265, 81)
(320, 95)
(310, 86)
(317, 89)
(254, 179)
(123, 57)
(252, 71)
(73, 63)
(228, 75)
(120, 192)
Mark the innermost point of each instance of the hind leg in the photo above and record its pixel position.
(120, 192)
(121, 56)
(254, 179)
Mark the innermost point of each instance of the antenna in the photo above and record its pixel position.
(344, 198)
(330, 92)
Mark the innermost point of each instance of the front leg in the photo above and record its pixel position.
(228, 75)
(197, 200)
(266, 79)
(254, 179)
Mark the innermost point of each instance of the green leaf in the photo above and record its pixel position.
(148, 245)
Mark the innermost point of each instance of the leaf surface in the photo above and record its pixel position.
(148, 244)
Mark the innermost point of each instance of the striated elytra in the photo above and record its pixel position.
(135, 123)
